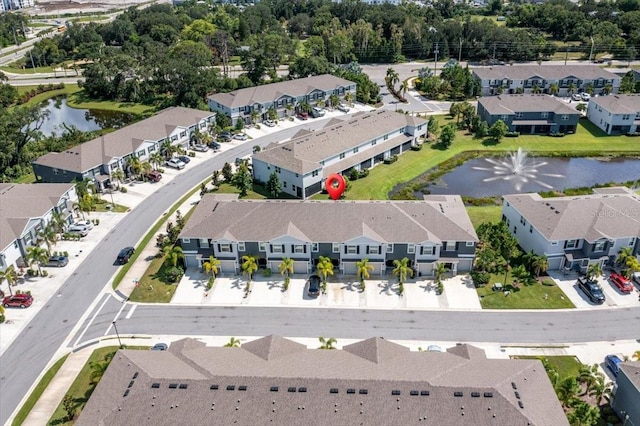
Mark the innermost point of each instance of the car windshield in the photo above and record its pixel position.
(594, 287)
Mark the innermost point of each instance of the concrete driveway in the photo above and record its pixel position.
(613, 296)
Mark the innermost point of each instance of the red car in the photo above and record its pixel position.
(623, 284)
(21, 300)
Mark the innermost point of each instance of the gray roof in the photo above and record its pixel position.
(123, 141)
(510, 104)
(294, 387)
(20, 203)
(618, 104)
(606, 215)
(548, 72)
(632, 371)
(270, 92)
(304, 153)
(437, 218)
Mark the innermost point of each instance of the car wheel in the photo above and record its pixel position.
(22, 306)
(6, 305)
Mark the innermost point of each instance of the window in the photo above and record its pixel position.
(55, 171)
(224, 248)
(565, 117)
(428, 250)
(342, 155)
(355, 150)
(522, 221)
(314, 173)
(140, 153)
(335, 248)
(299, 248)
(262, 246)
(554, 243)
(276, 248)
(204, 242)
(411, 248)
(505, 118)
(632, 242)
(518, 115)
(626, 117)
(351, 250)
(284, 184)
(374, 142)
(389, 248)
(186, 240)
(450, 246)
(386, 137)
(470, 243)
(373, 250)
(183, 134)
(241, 246)
(599, 246)
(570, 244)
(530, 229)
(314, 247)
(544, 114)
(278, 170)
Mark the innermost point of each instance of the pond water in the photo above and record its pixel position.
(61, 117)
(487, 177)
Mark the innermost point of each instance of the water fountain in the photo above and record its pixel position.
(519, 168)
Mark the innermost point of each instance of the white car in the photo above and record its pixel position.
(175, 163)
(317, 112)
(85, 223)
(576, 97)
(82, 230)
(343, 108)
(585, 96)
(269, 123)
(200, 147)
(240, 137)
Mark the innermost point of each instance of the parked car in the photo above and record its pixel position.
(613, 363)
(343, 108)
(125, 254)
(302, 115)
(313, 286)
(317, 112)
(175, 163)
(152, 175)
(621, 282)
(585, 96)
(591, 289)
(200, 147)
(22, 300)
(576, 97)
(435, 348)
(87, 223)
(159, 347)
(224, 136)
(269, 123)
(79, 228)
(57, 261)
(184, 158)
(240, 137)
(636, 277)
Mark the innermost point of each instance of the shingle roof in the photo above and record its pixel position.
(510, 104)
(297, 388)
(550, 72)
(618, 104)
(21, 202)
(592, 217)
(632, 371)
(435, 219)
(303, 154)
(270, 92)
(123, 141)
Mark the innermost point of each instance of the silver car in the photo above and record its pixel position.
(175, 163)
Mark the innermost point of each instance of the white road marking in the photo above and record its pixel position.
(90, 321)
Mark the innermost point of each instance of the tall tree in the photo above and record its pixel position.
(362, 270)
(249, 266)
(286, 269)
(11, 276)
(402, 270)
(37, 255)
(242, 179)
(274, 186)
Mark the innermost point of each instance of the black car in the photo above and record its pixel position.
(225, 136)
(125, 254)
(591, 289)
(313, 283)
(184, 158)
(215, 145)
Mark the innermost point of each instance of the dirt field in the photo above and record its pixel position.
(54, 7)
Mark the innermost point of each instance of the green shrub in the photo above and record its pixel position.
(548, 282)
(191, 154)
(267, 272)
(354, 174)
(123, 189)
(391, 160)
(440, 288)
(512, 134)
(416, 147)
(480, 278)
(363, 173)
(174, 274)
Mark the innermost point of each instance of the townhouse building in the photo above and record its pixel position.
(576, 231)
(568, 79)
(529, 113)
(25, 210)
(359, 142)
(98, 158)
(437, 229)
(626, 393)
(615, 114)
(284, 97)
(6, 5)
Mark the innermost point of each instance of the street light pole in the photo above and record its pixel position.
(117, 334)
(435, 59)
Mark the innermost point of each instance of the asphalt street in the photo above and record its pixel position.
(22, 362)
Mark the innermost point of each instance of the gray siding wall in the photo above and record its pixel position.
(626, 400)
(46, 174)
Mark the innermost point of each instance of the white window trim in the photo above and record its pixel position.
(186, 240)
(411, 249)
(470, 243)
(389, 248)
(335, 248)
(298, 248)
(262, 246)
(277, 248)
(315, 247)
(225, 245)
(352, 250)
(241, 246)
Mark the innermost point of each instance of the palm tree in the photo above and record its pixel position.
(588, 375)
(439, 272)
(173, 254)
(391, 79)
(362, 270)
(567, 391)
(118, 175)
(98, 368)
(254, 116)
(233, 343)
(554, 89)
(334, 100)
(584, 414)
(402, 270)
(156, 159)
(57, 222)
(594, 271)
(536, 89)
(404, 87)
(348, 97)
(249, 266)
(327, 343)
(211, 266)
(599, 388)
(49, 236)
(38, 255)
(11, 276)
(572, 88)
(539, 265)
(286, 269)
(146, 168)
(624, 254)
(325, 268)
(135, 165)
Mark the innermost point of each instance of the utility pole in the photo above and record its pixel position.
(460, 51)
(494, 52)
(591, 53)
(566, 56)
(435, 59)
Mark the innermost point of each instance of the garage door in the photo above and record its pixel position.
(464, 265)
(349, 268)
(377, 268)
(228, 266)
(425, 269)
(301, 267)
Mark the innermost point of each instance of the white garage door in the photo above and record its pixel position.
(425, 269)
(377, 268)
(301, 267)
(228, 266)
(349, 268)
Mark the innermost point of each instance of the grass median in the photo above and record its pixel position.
(534, 296)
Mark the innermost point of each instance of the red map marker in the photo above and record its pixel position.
(335, 185)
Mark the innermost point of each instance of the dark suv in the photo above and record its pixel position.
(125, 254)
(313, 288)
(591, 289)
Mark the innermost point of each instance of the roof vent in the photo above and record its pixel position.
(173, 386)
(291, 389)
(424, 393)
(414, 393)
(127, 393)
(242, 388)
(231, 387)
(183, 386)
(274, 389)
(363, 391)
(395, 392)
(213, 387)
(520, 404)
(475, 394)
(155, 385)
(333, 390)
(513, 385)
(458, 394)
(131, 383)
(302, 389)
(488, 394)
(351, 390)
(517, 394)
(135, 376)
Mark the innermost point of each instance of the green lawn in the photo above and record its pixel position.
(259, 192)
(16, 69)
(480, 214)
(68, 89)
(566, 366)
(587, 141)
(82, 387)
(536, 296)
(37, 392)
(151, 287)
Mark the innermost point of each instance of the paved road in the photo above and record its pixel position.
(29, 354)
(445, 325)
